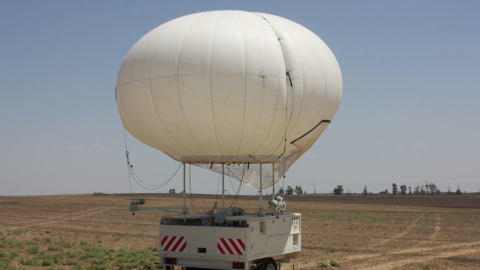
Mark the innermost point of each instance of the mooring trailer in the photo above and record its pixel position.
(229, 238)
(243, 242)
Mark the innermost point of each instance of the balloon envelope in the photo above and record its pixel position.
(230, 87)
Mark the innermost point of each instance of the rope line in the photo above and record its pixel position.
(139, 181)
(192, 202)
(133, 174)
(216, 196)
(128, 161)
(235, 200)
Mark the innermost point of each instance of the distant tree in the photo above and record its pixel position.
(449, 192)
(171, 191)
(338, 190)
(403, 189)
(365, 192)
(422, 191)
(416, 190)
(409, 190)
(289, 191)
(437, 191)
(394, 189)
(305, 192)
(432, 187)
(298, 190)
(458, 192)
(281, 192)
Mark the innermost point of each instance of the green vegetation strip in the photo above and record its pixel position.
(59, 255)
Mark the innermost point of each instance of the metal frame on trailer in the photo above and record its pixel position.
(240, 241)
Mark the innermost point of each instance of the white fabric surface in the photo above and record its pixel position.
(213, 87)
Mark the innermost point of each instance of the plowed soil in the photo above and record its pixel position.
(348, 232)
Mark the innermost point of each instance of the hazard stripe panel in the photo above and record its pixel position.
(230, 246)
(173, 243)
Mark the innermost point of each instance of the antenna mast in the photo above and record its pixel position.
(184, 208)
(223, 185)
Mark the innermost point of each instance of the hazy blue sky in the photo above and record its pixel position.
(410, 110)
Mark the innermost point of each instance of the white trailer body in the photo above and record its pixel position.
(193, 241)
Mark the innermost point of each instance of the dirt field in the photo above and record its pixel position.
(349, 232)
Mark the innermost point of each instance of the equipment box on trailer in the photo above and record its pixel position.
(244, 242)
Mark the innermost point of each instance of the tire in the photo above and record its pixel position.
(269, 264)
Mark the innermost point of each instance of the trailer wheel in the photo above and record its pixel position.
(269, 264)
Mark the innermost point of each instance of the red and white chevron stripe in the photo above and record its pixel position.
(174, 243)
(230, 246)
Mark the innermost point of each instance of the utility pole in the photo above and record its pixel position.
(314, 188)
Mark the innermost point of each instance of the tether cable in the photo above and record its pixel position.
(126, 152)
(235, 200)
(139, 182)
(133, 174)
(192, 203)
(216, 196)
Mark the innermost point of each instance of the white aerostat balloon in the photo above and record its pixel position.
(232, 87)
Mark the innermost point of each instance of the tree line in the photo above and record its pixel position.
(427, 189)
(290, 191)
